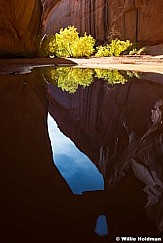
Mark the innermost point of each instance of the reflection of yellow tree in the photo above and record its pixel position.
(111, 76)
(68, 79)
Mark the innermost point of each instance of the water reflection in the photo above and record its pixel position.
(76, 168)
(69, 78)
(79, 172)
(119, 128)
(36, 203)
(101, 226)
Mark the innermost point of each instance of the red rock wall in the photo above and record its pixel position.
(137, 20)
(19, 25)
(87, 15)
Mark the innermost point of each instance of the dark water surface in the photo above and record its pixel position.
(81, 155)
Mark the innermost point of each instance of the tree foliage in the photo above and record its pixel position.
(115, 48)
(65, 40)
(67, 43)
(140, 51)
(48, 46)
(84, 47)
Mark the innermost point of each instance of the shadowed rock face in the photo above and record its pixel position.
(139, 21)
(47, 6)
(19, 25)
(87, 15)
(120, 129)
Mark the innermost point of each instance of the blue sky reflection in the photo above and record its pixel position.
(79, 172)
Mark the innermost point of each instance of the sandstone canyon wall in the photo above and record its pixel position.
(137, 20)
(87, 15)
(19, 25)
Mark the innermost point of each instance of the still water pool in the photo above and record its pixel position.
(81, 155)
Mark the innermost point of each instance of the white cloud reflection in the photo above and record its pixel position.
(76, 168)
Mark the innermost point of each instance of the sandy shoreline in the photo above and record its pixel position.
(140, 64)
(136, 63)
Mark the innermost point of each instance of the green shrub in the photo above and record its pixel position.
(47, 46)
(102, 51)
(115, 48)
(65, 40)
(84, 47)
(140, 51)
(67, 43)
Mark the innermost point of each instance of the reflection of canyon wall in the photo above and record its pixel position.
(33, 193)
(36, 204)
(113, 126)
(130, 19)
(19, 24)
(98, 109)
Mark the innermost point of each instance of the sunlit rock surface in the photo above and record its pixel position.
(139, 21)
(120, 129)
(19, 25)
